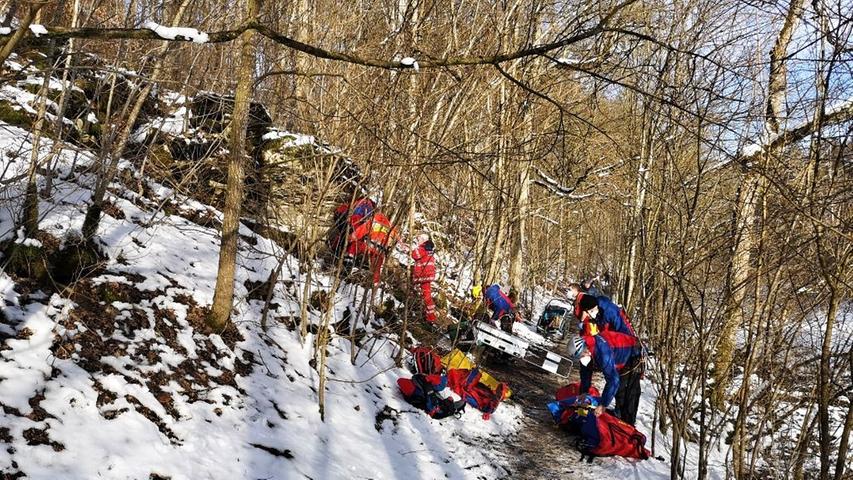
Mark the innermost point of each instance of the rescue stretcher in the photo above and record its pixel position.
(491, 336)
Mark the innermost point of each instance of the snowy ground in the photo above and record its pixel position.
(94, 386)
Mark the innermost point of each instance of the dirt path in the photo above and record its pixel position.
(541, 450)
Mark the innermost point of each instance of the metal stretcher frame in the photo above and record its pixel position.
(498, 339)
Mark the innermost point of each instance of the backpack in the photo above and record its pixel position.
(420, 392)
(467, 384)
(425, 361)
(606, 435)
(598, 436)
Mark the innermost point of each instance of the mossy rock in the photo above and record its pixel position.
(35, 89)
(14, 115)
(193, 149)
(27, 261)
(35, 58)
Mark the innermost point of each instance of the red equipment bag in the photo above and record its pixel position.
(425, 361)
(573, 390)
(466, 384)
(606, 435)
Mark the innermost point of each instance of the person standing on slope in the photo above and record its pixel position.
(605, 314)
(423, 272)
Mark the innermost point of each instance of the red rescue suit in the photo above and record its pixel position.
(372, 237)
(423, 274)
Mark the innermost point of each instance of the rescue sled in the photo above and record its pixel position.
(533, 354)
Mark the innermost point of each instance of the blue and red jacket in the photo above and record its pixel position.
(498, 302)
(610, 351)
(613, 317)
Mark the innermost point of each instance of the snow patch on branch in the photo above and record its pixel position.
(567, 61)
(5, 30)
(38, 30)
(177, 33)
(838, 107)
(555, 187)
(410, 62)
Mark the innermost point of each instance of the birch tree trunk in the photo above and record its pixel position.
(30, 215)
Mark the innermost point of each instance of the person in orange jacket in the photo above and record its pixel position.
(372, 237)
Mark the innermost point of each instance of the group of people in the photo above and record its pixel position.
(607, 343)
(361, 232)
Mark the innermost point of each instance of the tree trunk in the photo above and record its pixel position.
(223, 295)
(22, 30)
(842, 460)
(824, 382)
(30, 215)
(518, 238)
(751, 191)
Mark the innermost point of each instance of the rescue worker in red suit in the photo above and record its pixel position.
(423, 272)
(373, 238)
(362, 231)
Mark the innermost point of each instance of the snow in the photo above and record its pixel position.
(175, 33)
(38, 30)
(174, 124)
(273, 407)
(29, 242)
(5, 30)
(293, 139)
(752, 149)
(410, 62)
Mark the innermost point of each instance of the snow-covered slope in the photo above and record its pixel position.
(115, 377)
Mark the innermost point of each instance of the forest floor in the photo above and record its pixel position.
(540, 449)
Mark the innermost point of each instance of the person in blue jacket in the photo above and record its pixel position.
(619, 358)
(604, 313)
(500, 304)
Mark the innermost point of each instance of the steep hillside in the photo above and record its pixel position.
(114, 375)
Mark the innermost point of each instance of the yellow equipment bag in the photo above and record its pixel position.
(457, 359)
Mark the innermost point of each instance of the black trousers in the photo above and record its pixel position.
(628, 395)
